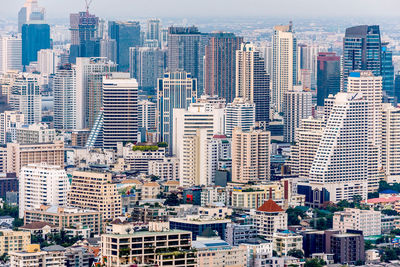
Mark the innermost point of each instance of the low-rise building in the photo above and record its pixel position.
(269, 218)
(238, 233)
(368, 221)
(150, 190)
(13, 240)
(40, 228)
(284, 262)
(138, 156)
(215, 212)
(33, 256)
(166, 169)
(285, 241)
(79, 256)
(258, 251)
(198, 225)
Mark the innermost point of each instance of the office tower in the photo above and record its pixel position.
(220, 60)
(186, 50)
(89, 89)
(240, 113)
(153, 29)
(176, 90)
(147, 64)
(302, 154)
(284, 67)
(387, 72)
(328, 76)
(193, 159)
(126, 34)
(108, 49)
(10, 53)
(9, 121)
(35, 37)
(370, 87)
(48, 61)
(250, 155)
(30, 11)
(297, 106)
(252, 81)
(197, 115)
(120, 105)
(84, 36)
(26, 98)
(95, 191)
(147, 115)
(361, 51)
(307, 60)
(391, 140)
(341, 162)
(20, 155)
(64, 89)
(42, 184)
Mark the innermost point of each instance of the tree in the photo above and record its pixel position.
(390, 212)
(294, 216)
(368, 245)
(172, 200)
(297, 253)
(314, 263)
(359, 263)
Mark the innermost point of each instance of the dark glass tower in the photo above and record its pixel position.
(35, 37)
(84, 41)
(387, 72)
(361, 50)
(126, 34)
(328, 76)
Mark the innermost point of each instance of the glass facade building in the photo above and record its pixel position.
(387, 72)
(328, 76)
(35, 37)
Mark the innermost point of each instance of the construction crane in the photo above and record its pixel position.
(88, 2)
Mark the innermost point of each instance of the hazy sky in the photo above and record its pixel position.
(201, 8)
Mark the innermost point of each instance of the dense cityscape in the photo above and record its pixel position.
(198, 141)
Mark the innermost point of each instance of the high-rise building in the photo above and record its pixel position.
(126, 34)
(30, 11)
(328, 76)
(84, 36)
(391, 140)
(186, 50)
(250, 155)
(361, 51)
(108, 49)
(387, 72)
(307, 61)
(153, 29)
(147, 115)
(120, 105)
(220, 60)
(42, 184)
(175, 90)
(240, 113)
(95, 191)
(64, 88)
(252, 81)
(219, 155)
(89, 89)
(10, 53)
(9, 121)
(297, 106)
(341, 164)
(284, 68)
(48, 61)
(35, 37)
(146, 65)
(25, 97)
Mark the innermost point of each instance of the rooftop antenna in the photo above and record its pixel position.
(88, 2)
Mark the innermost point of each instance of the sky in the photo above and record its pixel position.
(212, 8)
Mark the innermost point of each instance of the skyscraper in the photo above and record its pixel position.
(186, 49)
(250, 155)
(341, 162)
(126, 34)
(252, 81)
(391, 140)
(361, 50)
(284, 67)
(297, 106)
(89, 89)
(120, 105)
(35, 37)
(64, 88)
(328, 76)
(220, 60)
(153, 29)
(30, 11)
(175, 90)
(146, 65)
(240, 113)
(10, 53)
(387, 72)
(84, 37)
(307, 60)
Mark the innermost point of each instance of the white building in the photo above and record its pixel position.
(64, 88)
(258, 251)
(147, 115)
(9, 121)
(10, 53)
(296, 106)
(166, 169)
(239, 113)
(284, 73)
(137, 157)
(341, 164)
(42, 184)
(284, 241)
(391, 140)
(219, 151)
(48, 60)
(33, 256)
(368, 221)
(35, 133)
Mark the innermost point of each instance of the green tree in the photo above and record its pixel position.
(297, 253)
(314, 263)
(172, 200)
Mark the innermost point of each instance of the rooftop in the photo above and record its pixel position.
(148, 233)
(270, 206)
